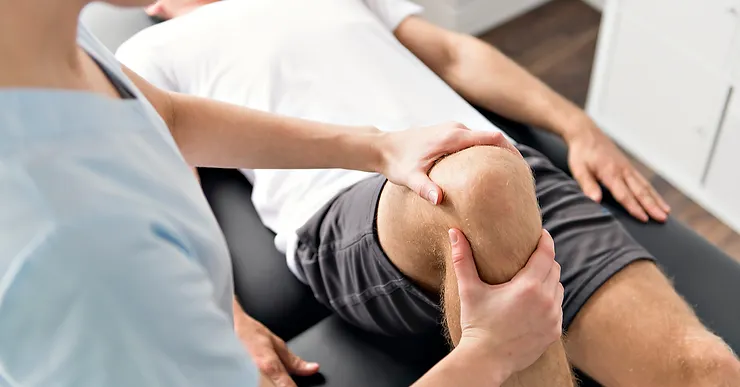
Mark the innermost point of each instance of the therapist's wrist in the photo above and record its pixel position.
(483, 361)
(367, 145)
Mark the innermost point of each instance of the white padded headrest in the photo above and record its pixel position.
(114, 25)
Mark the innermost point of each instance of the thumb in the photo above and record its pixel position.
(293, 363)
(425, 187)
(463, 262)
(586, 180)
(301, 367)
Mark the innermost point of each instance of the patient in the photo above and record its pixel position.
(373, 251)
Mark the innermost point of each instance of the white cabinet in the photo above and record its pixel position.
(664, 73)
(703, 29)
(662, 101)
(723, 178)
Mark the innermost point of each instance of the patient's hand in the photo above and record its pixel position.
(410, 154)
(269, 352)
(594, 158)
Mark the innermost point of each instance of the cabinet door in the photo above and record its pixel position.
(702, 28)
(660, 104)
(723, 179)
(735, 54)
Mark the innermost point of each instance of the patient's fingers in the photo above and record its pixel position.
(292, 362)
(273, 368)
(540, 263)
(645, 195)
(587, 181)
(625, 197)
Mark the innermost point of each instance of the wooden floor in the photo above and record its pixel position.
(557, 43)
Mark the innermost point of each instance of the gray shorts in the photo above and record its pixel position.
(347, 270)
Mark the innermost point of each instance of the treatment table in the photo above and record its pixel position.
(268, 291)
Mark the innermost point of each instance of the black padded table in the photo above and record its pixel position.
(704, 275)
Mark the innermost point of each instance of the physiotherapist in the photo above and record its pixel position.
(113, 271)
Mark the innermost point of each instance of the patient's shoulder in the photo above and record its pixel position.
(150, 53)
(147, 41)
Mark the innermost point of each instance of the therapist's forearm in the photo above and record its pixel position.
(464, 366)
(215, 134)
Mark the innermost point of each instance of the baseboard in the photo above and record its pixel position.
(597, 4)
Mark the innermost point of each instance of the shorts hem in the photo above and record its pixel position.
(598, 280)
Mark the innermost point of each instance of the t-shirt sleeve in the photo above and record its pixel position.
(145, 61)
(393, 12)
(114, 303)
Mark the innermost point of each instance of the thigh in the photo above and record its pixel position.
(636, 330)
(341, 259)
(590, 244)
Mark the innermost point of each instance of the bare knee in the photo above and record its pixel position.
(490, 195)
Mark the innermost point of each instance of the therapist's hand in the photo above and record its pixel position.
(269, 352)
(410, 154)
(512, 324)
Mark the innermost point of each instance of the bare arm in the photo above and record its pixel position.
(464, 366)
(487, 78)
(216, 134)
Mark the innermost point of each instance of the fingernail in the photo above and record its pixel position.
(453, 236)
(312, 365)
(433, 196)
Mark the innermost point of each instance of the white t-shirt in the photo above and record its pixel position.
(334, 61)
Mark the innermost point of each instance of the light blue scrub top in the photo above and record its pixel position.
(113, 271)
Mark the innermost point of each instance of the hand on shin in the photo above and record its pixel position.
(511, 324)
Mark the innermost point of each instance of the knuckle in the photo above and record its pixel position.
(279, 343)
(457, 125)
(263, 341)
(458, 257)
(270, 365)
(546, 302)
(448, 140)
(529, 290)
